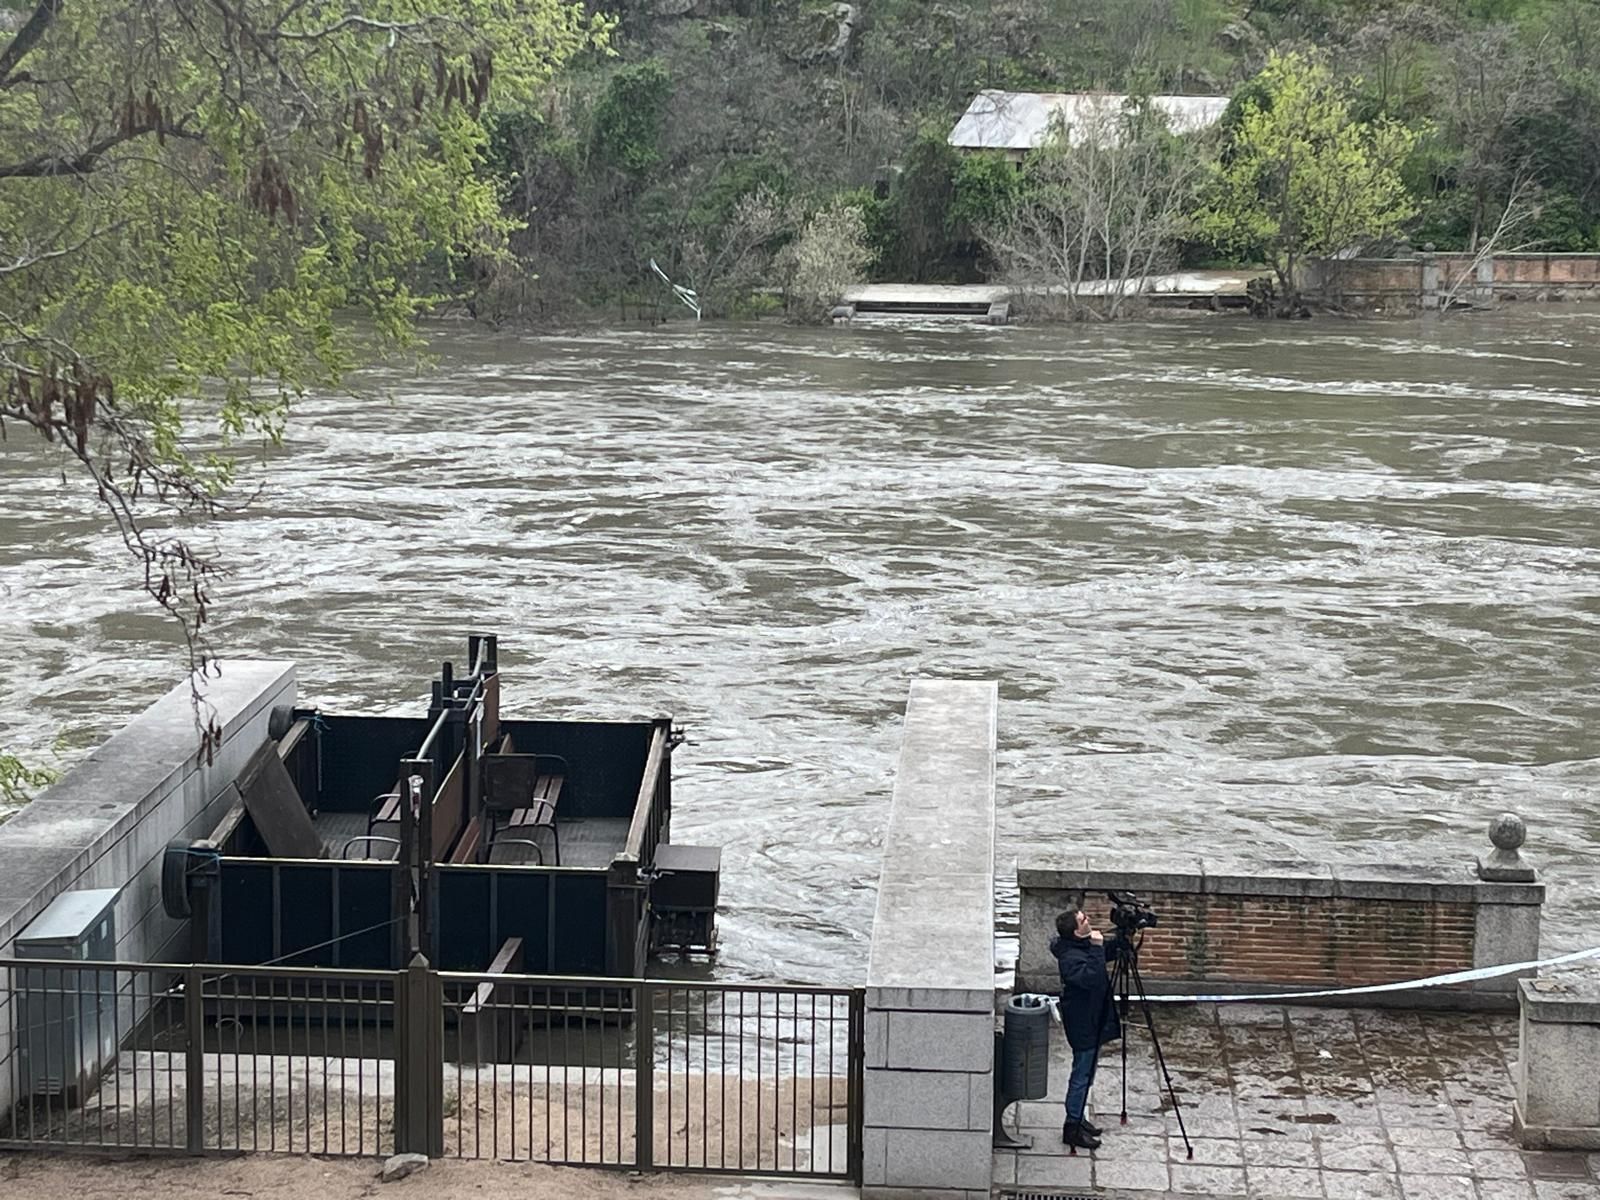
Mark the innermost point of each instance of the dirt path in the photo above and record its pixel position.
(264, 1177)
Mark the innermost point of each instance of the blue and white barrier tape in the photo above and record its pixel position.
(1373, 988)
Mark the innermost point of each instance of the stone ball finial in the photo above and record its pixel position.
(1506, 864)
(1508, 832)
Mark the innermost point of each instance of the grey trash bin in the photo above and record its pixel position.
(1025, 1065)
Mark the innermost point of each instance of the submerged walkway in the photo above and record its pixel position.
(1181, 287)
(1302, 1104)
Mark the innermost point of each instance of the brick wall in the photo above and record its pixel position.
(1323, 941)
(1239, 927)
(1420, 280)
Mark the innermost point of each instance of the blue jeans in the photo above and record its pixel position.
(1079, 1082)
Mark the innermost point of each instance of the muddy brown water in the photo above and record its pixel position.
(1325, 590)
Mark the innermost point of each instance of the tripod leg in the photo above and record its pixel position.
(1119, 986)
(1161, 1059)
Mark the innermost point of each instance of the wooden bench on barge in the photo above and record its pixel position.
(521, 793)
(520, 796)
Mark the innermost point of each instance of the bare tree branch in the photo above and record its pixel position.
(28, 37)
(47, 166)
(24, 261)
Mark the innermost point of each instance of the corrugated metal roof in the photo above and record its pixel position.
(998, 120)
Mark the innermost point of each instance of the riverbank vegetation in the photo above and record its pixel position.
(1462, 114)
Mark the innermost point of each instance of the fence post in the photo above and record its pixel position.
(644, 1083)
(419, 1061)
(194, 1061)
(855, 1152)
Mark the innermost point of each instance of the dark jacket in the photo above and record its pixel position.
(1085, 993)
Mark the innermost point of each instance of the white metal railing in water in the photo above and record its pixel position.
(686, 296)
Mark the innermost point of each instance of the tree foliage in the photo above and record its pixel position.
(627, 120)
(18, 780)
(192, 193)
(1301, 177)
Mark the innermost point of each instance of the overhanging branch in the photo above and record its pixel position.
(28, 37)
(47, 166)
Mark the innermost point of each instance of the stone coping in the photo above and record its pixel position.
(1269, 877)
(933, 931)
(1569, 996)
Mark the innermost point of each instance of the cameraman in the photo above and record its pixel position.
(1087, 1012)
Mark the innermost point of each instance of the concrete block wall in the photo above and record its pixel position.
(1240, 927)
(108, 821)
(929, 1037)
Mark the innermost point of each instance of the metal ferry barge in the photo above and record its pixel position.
(484, 841)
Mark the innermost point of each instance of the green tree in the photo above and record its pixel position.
(627, 121)
(1301, 178)
(193, 193)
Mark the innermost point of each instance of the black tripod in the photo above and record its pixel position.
(1127, 982)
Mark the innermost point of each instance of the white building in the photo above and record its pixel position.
(1016, 122)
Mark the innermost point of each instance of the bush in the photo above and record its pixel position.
(829, 256)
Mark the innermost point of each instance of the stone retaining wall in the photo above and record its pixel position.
(1234, 927)
(1558, 1061)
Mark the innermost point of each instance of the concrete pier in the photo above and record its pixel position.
(928, 1103)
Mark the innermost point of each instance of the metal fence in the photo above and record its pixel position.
(736, 1078)
(176, 1058)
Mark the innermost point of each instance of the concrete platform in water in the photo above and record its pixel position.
(1220, 289)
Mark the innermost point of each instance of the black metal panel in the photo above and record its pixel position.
(480, 907)
(580, 923)
(606, 759)
(360, 756)
(321, 914)
(246, 912)
(366, 902)
(305, 914)
(463, 925)
(522, 909)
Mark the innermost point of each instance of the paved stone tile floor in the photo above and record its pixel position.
(1286, 1103)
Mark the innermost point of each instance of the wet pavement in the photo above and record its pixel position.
(1301, 1104)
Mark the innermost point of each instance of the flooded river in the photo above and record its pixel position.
(1327, 590)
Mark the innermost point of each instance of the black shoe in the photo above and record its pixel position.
(1091, 1128)
(1073, 1133)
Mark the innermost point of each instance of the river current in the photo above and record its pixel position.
(1326, 590)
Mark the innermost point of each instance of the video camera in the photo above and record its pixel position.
(1130, 914)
